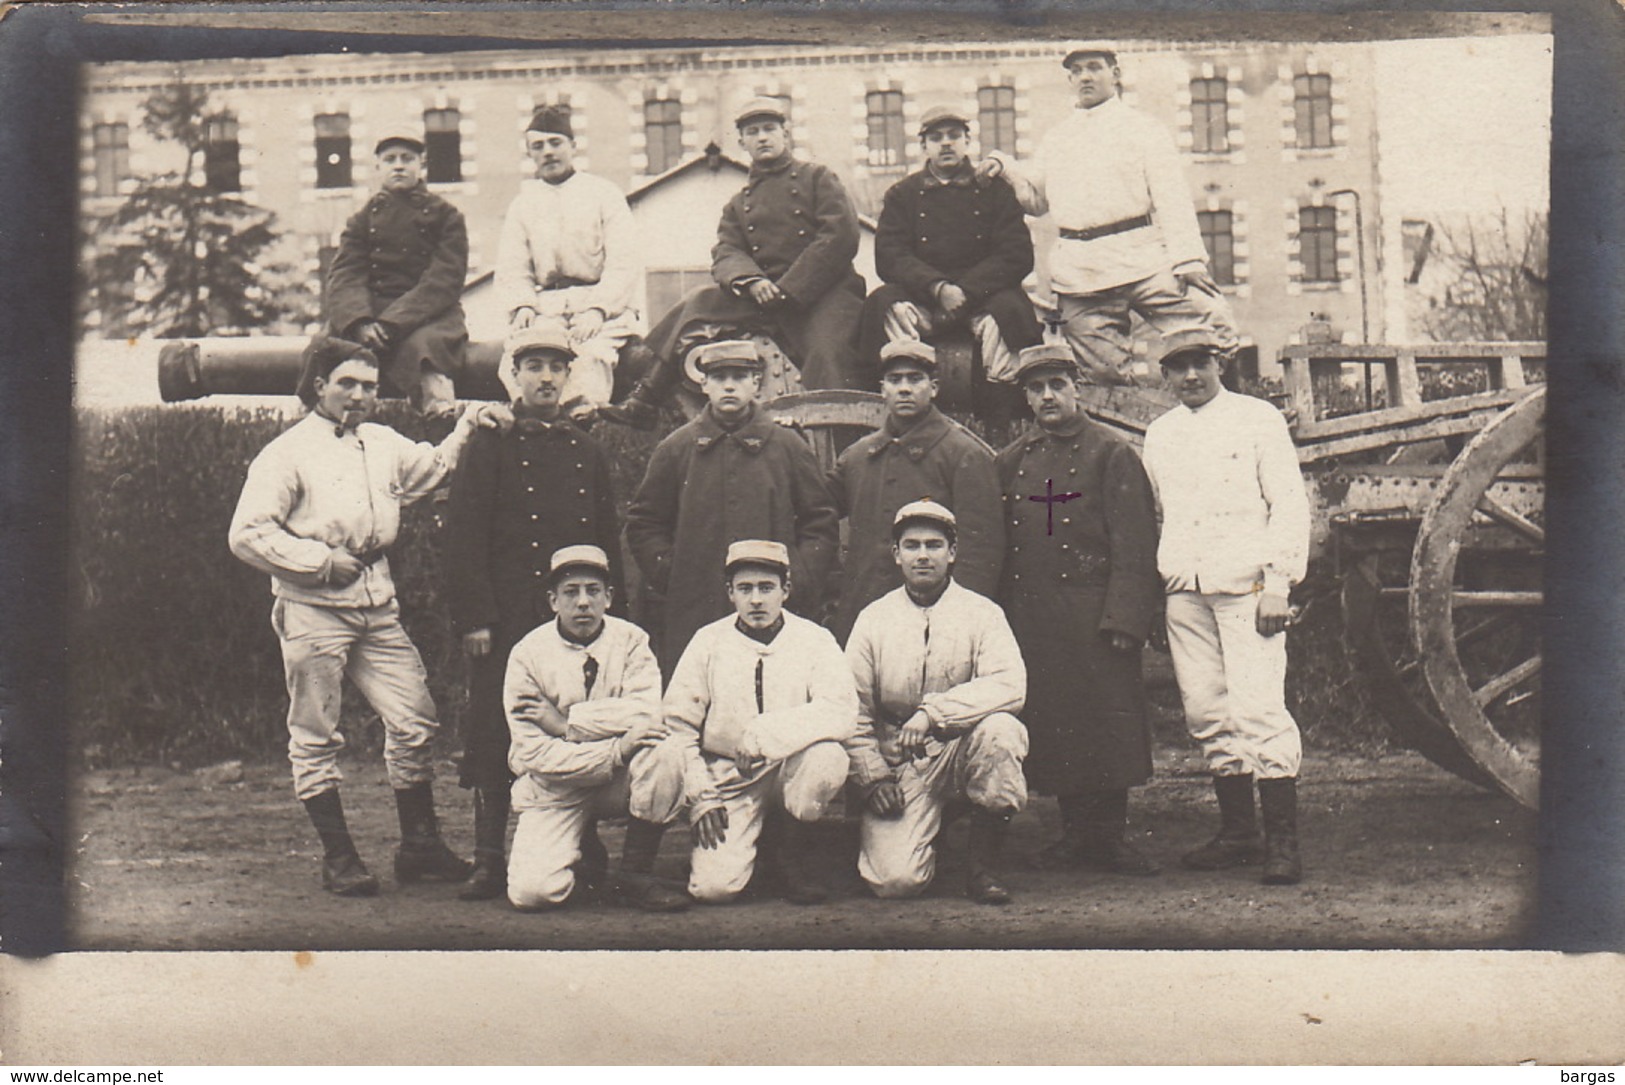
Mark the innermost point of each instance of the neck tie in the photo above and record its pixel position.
(589, 671)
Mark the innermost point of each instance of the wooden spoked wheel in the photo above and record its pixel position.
(1475, 603)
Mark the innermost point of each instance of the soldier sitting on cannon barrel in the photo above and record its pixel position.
(782, 265)
(395, 283)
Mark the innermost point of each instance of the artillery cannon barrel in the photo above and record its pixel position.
(269, 365)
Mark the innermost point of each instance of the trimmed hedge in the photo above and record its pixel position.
(172, 655)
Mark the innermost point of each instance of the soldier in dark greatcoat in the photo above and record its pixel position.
(516, 499)
(1081, 590)
(395, 283)
(782, 265)
(952, 250)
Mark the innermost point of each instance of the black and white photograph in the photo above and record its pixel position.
(805, 482)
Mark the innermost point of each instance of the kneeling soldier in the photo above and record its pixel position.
(583, 699)
(939, 676)
(758, 708)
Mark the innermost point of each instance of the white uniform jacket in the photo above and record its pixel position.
(549, 669)
(731, 696)
(957, 659)
(570, 247)
(1102, 166)
(1230, 497)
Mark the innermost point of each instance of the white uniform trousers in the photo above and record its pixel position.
(320, 645)
(1233, 685)
(898, 856)
(1096, 325)
(906, 320)
(803, 785)
(553, 818)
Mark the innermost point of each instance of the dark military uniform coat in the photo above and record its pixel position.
(1086, 710)
(402, 260)
(880, 473)
(707, 487)
(793, 224)
(958, 230)
(516, 498)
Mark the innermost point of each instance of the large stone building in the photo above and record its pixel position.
(1279, 138)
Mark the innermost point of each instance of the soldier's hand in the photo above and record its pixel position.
(989, 168)
(586, 324)
(911, 738)
(645, 734)
(343, 568)
(886, 799)
(952, 300)
(1274, 614)
(497, 416)
(477, 643)
(765, 293)
(521, 318)
(1196, 277)
(711, 828)
(373, 335)
(1121, 641)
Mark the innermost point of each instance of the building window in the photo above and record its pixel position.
(663, 133)
(1219, 235)
(664, 289)
(222, 166)
(443, 145)
(1312, 109)
(1210, 116)
(996, 118)
(1317, 244)
(887, 144)
(112, 142)
(333, 150)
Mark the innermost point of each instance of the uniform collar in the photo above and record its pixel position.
(528, 419)
(963, 176)
(757, 172)
(925, 435)
(752, 436)
(418, 193)
(1074, 426)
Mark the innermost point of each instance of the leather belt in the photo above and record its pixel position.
(1121, 226)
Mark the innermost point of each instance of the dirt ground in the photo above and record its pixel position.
(1398, 854)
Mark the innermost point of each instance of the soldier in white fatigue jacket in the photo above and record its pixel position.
(939, 677)
(582, 695)
(1235, 538)
(758, 708)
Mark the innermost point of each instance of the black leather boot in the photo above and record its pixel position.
(343, 872)
(635, 883)
(490, 877)
(1279, 799)
(423, 856)
(1237, 842)
(792, 857)
(987, 832)
(1104, 836)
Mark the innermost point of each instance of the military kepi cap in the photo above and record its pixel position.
(940, 115)
(760, 107)
(1080, 49)
(552, 118)
(403, 134)
(1045, 357)
(925, 511)
(582, 557)
(541, 335)
(1191, 343)
(764, 552)
(734, 353)
(912, 351)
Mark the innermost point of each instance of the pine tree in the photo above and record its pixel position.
(180, 256)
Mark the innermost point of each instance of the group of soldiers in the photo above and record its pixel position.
(992, 607)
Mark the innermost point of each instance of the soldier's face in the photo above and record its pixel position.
(758, 595)
(1053, 398)
(540, 376)
(1094, 79)
(925, 556)
(908, 391)
(553, 153)
(1194, 378)
(731, 389)
(580, 600)
(399, 167)
(349, 393)
(946, 145)
(764, 139)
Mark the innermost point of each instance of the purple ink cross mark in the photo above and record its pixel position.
(1050, 499)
